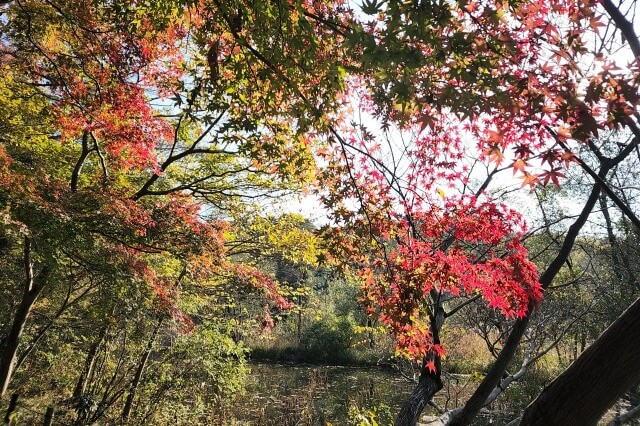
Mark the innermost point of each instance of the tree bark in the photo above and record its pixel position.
(429, 382)
(90, 362)
(602, 374)
(428, 385)
(32, 289)
(126, 411)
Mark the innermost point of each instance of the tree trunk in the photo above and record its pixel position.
(10, 414)
(128, 405)
(48, 416)
(299, 327)
(10, 349)
(429, 382)
(372, 339)
(497, 370)
(41, 333)
(75, 175)
(593, 383)
(428, 385)
(33, 288)
(87, 371)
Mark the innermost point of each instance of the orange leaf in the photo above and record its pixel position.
(519, 165)
(529, 179)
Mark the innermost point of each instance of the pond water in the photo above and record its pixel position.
(279, 394)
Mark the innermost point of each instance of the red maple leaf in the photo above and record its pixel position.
(552, 175)
(550, 156)
(522, 151)
(439, 350)
(494, 153)
(568, 158)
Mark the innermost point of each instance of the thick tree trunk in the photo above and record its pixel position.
(429, 382)
(428, 385)
(602, 374)
(33, 288)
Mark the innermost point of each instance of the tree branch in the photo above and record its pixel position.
(75, 174)
(624, 25)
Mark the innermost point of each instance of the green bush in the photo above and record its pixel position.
(331, 338)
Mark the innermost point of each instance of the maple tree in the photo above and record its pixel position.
(508, 78)
(426, 249)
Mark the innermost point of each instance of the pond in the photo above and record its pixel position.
(280, 394)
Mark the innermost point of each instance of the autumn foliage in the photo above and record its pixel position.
(137, 137)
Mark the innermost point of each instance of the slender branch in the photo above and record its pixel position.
(193, 149)
(462, 305)
(75, 174)
(624, 25)
(600, 179)
(335, 26)
(28, 265)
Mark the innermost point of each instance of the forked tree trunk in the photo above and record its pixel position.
(428, 385)
(602, 374)
(430, 382)
(32, 289)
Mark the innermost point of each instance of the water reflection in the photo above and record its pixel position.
(279, 394)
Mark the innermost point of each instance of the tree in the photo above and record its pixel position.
(609, 363)
(427, 249)
(122, 155)
(510, 77)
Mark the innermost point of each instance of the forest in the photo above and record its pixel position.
(319, 212)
